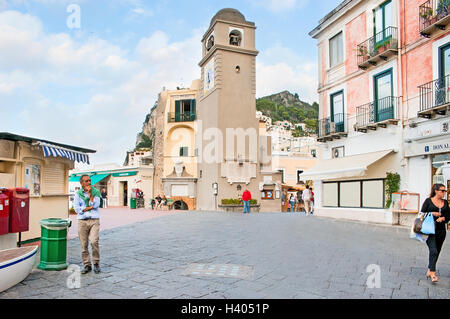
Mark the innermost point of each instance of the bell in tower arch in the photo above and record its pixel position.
(235, 38)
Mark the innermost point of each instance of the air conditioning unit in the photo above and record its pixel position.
(337, 152)
(332, 127)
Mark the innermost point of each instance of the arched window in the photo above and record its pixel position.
(210, 43)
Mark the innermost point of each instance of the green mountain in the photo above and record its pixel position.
(287, 106)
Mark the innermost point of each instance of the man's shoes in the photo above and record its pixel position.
(96, 268)
(86, 269)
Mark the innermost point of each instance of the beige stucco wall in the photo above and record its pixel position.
(45, 207)
(290, 165)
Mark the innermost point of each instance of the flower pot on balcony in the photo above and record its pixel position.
(381, 49)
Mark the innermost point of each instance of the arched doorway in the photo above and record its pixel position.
(180, 205)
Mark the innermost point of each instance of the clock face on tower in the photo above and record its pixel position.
(209, 76)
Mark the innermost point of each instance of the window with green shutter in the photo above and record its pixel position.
(183, 151)
(177, 111)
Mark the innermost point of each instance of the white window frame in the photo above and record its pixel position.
(329, 49)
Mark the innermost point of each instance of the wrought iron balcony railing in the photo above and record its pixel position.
(379, 47)
(332, 128)
(377, 113)
(434, 97)
(181, 117)
(433, 14)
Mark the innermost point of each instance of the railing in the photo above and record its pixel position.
(432, 11)
(328, 127)
(434, 93)
(181, 117)
(384, 40)
(377, 111)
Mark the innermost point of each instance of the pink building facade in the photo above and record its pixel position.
(384, 69)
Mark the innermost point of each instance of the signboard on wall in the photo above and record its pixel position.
(427, 148)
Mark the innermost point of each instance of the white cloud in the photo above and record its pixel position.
(278, 6)
(280, 68)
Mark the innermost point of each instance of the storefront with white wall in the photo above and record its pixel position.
(427, 149)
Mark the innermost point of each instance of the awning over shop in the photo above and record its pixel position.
(74, 178)
(94, 178)
(349, 166)
(97, 178)
(51, 150)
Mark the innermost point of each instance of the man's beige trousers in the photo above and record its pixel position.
(88, 232)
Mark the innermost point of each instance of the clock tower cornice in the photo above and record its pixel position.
(218, 47)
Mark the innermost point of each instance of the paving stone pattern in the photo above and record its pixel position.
(290, 255)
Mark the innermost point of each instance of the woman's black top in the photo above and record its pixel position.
(429, 207)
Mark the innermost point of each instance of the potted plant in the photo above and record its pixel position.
(442, 8)
(426, 14)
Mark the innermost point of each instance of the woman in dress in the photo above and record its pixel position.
(437, 205)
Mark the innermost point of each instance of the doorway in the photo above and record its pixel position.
(124, 193)
(180, 205)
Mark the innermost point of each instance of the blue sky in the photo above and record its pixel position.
(92, 86)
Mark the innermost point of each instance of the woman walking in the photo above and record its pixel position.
(437, 205)
(292, 202)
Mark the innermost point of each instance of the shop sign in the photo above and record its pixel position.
(437, 148)
(417, 149)
(124, 174)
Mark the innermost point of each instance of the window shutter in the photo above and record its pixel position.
(53, 178)
(177, 111)
(193, 114)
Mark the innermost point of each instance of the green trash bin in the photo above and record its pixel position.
(54, 243)
(133, 203)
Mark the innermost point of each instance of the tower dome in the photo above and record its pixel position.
(229, 14)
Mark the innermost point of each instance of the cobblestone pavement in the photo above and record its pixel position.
(291, 256)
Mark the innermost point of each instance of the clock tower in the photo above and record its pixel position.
(228, 147)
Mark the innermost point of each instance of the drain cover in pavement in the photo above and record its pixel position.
(230, 271)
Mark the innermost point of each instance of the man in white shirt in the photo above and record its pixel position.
(306, 197)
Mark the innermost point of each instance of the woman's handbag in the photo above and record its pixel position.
(418, 223)
(428, 227)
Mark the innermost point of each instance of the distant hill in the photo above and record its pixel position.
(287, 106)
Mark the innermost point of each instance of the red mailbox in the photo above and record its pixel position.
(19, 210)
(4, 211)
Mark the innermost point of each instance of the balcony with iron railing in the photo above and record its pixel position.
(433, 15)
(377, 48)
(181, 117)
(330, 129)
(379, 113)
(434, 97)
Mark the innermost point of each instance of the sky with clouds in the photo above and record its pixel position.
(92, 86)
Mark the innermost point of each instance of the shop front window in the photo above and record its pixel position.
(354, 194)
(267, 194)
(438, 161)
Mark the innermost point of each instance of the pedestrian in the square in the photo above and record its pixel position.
(306, 196)
(292, 203)
(312, 202)
(86, 204)
(104, 198)
(158, 201)
(153, 203)
(163, 202)
(437, 205)
(246, 198)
